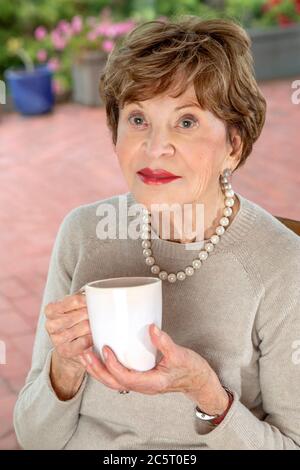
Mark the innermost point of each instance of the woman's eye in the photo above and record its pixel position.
(189, 120)
(135, 118)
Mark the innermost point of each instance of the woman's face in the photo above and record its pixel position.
(176, 135)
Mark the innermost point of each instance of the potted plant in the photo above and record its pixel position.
(31, 86)
(90, 49)
(77, 51)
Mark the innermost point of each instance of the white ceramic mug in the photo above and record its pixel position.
(120, 312)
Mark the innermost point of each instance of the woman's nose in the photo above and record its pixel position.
(158, 144)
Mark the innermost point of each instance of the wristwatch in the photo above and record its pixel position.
(214, 420)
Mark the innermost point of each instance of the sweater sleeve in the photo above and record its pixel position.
(41, 420)
(278, 330)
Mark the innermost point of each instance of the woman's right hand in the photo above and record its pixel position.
(69, 329)
(68, 326)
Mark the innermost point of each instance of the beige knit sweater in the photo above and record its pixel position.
(240, 311)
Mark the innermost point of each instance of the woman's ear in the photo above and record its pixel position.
(235, 146)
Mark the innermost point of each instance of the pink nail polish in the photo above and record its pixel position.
(105, 354)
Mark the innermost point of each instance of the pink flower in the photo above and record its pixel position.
(123, 27)
(92, 35)
(57, 87)
(76, 24)
(41, 55)
(57, 40)
(64, 28)
(103, 29)
(108, 45)
(40, 33)
(114, 29)
(53, 64)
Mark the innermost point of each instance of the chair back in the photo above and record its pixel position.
(293, 225)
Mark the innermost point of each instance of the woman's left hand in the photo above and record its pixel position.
(179, 370)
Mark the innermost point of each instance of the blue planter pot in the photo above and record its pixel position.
(32, 92)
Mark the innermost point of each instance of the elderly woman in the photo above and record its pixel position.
(184, 110)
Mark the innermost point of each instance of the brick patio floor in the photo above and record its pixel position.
(51, 164)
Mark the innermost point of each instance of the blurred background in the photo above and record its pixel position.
(55, 149)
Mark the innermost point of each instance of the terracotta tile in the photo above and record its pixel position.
(12, 323)
(16, 383)
(51, 164)
(29, 308)
(24, 344)
(5, 303)
(9, 442)
(17, 364)
(6, 414)
(12, 288)
(5, 388)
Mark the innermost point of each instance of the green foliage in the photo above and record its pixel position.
(20, 18)
(263, 13)
(191, 7)
(282, 13)
(246, 12)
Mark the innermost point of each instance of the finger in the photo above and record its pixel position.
(61, 322)
(98, 370)
(152, 381)
(68, 335)
(76, 347)
(107, 384)
(163, 342)
(68, 303)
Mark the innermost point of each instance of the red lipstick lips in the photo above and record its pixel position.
(158, 176)
(157, 173)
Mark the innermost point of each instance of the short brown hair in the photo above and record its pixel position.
(214, 54)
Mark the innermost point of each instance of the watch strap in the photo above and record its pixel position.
(214, 420)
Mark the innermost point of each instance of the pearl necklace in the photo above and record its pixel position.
(208, 247)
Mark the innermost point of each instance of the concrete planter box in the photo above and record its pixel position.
(276, 52)
(86, 74)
